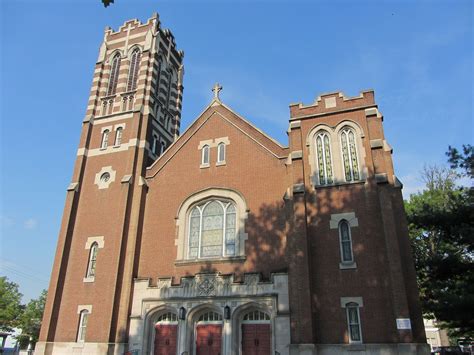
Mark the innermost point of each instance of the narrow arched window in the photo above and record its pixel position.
(323, 148)
(118, 136)
(163, 147)
(154, 146)
(81, 332)
(105, 139)
(353, 322)
(92, 260)
(133, 73)
(114, 74)
(221, 153)
(168, 94)
(158, 77)
(346, 242)
(212, 230)
(349, 155)
(205, 155)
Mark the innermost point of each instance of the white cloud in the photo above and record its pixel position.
(30, 223)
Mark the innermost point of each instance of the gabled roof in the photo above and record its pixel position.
(216, 107)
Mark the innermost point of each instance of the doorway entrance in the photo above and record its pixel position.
(209, 334)
(166, 335)
(256, 334)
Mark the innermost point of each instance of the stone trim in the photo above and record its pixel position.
(297, 154)
(346, 300)
(294, 125)
(91, 240)
(104, 184)
(84, 307)
(381, 178)
(338, 217)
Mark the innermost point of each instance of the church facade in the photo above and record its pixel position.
(220, 240)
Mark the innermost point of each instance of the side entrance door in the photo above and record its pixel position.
(256, 334)
(208, 339)
(165, 339)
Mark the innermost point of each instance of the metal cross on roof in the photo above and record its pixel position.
(216, 89)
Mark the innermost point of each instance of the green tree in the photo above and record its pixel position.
(30, 319)
(441, 222)
(10, 306)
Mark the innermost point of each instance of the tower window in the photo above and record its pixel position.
(163, 147)
(118, 136)
(221, 153)
(133, 73)
(353, 322)
(349, 155)
(154, 146)
(346, 242)
(205, 155)
(323, 149)
(212, 230)
(105, 139)
(92, 260)
(81, 333)
(114, 74)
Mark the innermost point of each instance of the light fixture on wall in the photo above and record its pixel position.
(226, 312)
(182, 313)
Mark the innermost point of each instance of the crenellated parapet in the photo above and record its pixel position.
(332, 102)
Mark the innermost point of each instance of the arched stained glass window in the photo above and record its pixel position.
(346, 242)
(212, 230)
(349, 155)
(118, 136)
(92, 260)
(105, 139)
(134, 67)
(323, 147)
(114, 74)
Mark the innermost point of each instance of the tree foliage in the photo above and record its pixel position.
(441, 222)
(107, 2)
(10, 304)
(30, 319)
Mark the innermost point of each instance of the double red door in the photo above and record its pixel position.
(256, 339)
(208, 339)
(165, 339)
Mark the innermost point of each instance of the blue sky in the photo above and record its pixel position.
(416, 55)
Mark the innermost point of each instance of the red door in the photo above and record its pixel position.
(208, 339)
(256, 339)
(165, 339)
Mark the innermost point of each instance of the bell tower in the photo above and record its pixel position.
(133, 115)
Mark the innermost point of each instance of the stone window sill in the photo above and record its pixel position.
(228, 259)
(204, 166)
(221, 163)
(89, 279)
(346, 266)
(356, 347)
(103, 148)
(340, 183)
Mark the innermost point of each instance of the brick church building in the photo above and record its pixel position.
(220, 240)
